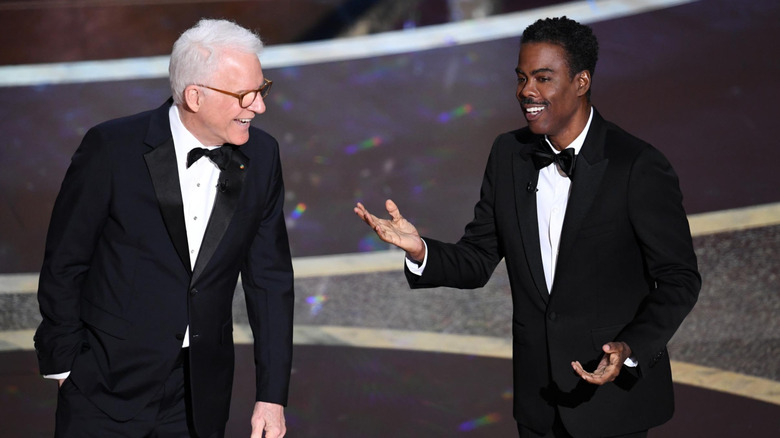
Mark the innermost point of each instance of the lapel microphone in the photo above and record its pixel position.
(531, 187)
(222, 185)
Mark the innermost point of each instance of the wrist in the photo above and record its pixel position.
(417, 256)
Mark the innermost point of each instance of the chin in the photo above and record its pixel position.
(238, 140)
(536, 129)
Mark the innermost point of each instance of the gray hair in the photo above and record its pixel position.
(196, 54)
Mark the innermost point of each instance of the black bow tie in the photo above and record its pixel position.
(565, 159)
(220, 156)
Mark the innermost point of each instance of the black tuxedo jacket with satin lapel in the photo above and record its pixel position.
(626, 272)
(116, 289)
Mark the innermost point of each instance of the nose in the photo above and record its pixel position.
(258, 106)
(525, 89)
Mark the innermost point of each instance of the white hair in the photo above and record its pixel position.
(196, 54)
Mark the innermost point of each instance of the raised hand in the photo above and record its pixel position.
(396, 230)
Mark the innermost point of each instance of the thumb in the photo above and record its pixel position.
(392, 209)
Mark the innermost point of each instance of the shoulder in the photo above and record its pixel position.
(148, 127)
(624, 148)
(513, 141)
(615, 135)
(619, 144)
(134, 122)
(117, 136)
(260, 143)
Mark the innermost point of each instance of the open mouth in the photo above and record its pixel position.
(533, 112)
(244, 121)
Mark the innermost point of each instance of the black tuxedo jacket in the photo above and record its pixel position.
(117, 290)
(626, 271)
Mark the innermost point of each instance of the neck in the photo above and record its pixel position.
(574, 129)
(187, 117)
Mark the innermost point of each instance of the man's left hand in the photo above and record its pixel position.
(268, 418)
(615, 354)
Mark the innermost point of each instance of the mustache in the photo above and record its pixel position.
(529, 101)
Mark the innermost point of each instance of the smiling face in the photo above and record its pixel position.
(554, 101)
(215, 118)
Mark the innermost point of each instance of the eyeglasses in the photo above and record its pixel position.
(246, 98)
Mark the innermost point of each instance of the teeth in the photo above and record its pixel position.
(535, 109)
(244, 120)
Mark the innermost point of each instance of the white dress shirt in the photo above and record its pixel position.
(198, 188)
(552, 196)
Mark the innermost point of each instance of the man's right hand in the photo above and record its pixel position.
(396, 230)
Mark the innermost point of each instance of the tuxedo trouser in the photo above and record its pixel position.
(166, 415)
(559, 431)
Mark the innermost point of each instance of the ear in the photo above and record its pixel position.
(583, 82)
(192, 98)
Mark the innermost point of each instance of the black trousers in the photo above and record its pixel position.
(166, 415)
(559, 431)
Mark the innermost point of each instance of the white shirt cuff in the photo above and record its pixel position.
(413, 267)
(58, 376)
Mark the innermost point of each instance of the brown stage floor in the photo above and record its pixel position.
(351, 392)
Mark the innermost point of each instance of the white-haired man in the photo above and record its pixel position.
(157, 216)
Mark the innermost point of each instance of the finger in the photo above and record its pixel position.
(599, 376)
(392, 209)
(367, 217)
(257, 431)
(612, 347)
(360, 210)
(578, 369)
(273, 432)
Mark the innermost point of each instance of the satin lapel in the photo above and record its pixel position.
(591, 165)
(231, 181)
(161, 162)
(525, 178)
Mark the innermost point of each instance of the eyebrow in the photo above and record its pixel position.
(538, 70)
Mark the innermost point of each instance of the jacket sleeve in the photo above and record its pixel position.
(661, 228)
(267, 278)
(77, 221)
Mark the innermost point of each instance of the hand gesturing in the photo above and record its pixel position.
(615, 354)
(396, 230)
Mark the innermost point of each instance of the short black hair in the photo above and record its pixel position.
(577, 40)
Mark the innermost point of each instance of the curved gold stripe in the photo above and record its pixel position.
(685, 373)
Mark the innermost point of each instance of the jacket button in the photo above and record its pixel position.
(553, 316)
(193, 291)
(179, 336)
